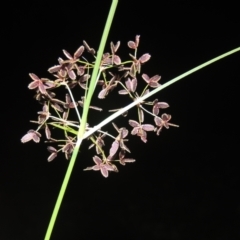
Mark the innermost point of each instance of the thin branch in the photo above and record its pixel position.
(141, 99)
(83, 122)
(74, 103)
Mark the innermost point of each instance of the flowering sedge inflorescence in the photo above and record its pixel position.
(74, 72)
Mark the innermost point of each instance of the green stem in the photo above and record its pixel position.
(141, 99)
(84, 119)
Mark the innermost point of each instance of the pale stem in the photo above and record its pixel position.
(74, 103)
(141, 99)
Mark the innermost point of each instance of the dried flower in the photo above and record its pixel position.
(136, 65)
(44, 114)
(153, 81)
(89, 49)
(131, 86)
(140, 129)
(123, 160)
(68, 147)
(99, 143)
(103, 167)
(76, 56)
(158, 105)
(64, 70)
(47, 132)
(69, 103)
(31, 135)
(112, 84)
(41, 84)
(119, 141)
(163, 122)
(115, 58)
(53, 152)
(134, 45)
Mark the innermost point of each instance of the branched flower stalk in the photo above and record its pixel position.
(113, 75)
(108, 74)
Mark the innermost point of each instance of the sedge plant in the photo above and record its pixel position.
(84, 74)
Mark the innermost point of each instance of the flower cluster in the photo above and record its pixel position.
(74, 72)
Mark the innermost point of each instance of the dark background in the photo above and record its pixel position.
(185, 183)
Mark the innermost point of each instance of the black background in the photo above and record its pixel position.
(185, 183)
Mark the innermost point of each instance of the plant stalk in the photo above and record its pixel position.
(83, 120)
(141, 99)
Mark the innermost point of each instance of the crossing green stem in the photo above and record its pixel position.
(83, 120)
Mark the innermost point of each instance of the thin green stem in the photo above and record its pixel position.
(64, 121)
(142, 98)
(84, 120)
